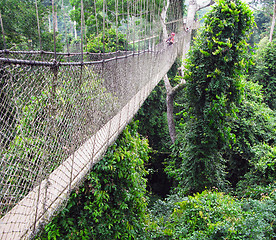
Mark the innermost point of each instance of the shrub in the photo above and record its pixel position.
(111, 204)
(214, 215)
(110, 42)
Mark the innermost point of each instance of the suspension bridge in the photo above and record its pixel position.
(60, 111)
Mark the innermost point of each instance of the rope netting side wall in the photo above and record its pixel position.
(79, 116)
(60, 111)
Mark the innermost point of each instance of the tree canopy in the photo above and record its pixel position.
(213, 88)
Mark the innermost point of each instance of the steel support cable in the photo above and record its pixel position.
(65, 26)
(103, 26)
(122, 12)
(49, 128)
(3, 32)
(83, 70)
(138, 65)
(52, 101)
(82, 31)
(140, 33)
(127, 30)
(134, 24)
(96, 17)
(84, 28)
(107, 25)
(145, 24)
(38, 25)
(121, 87)
(41, 167)
(117, 42)
(137, 26)
(157, 13)
(141, 23)
(153, 15)
(77, 94)
(150, 20)
(116, 13)
(130, 20)
(54, 29)
(147, 18)
(131, 24)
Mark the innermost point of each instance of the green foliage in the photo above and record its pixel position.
(214, 215)
(111, 204)
(20, 26)
(265, 70)
(255, 133)
(256, 192)
(153, 119)
(213, 88)
(110, 42)
(253, 154)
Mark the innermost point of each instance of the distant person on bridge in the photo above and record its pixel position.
(170, 40)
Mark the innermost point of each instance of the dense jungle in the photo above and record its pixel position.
(216, 178)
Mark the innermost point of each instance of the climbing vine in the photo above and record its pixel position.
(213, 88)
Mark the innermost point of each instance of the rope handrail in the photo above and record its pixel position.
(6, 51)
(54, 63)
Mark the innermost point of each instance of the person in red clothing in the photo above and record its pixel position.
(170, 40)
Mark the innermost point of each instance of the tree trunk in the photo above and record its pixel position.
(170, 115)
(273, 22)
(190, 24)
(169, 98)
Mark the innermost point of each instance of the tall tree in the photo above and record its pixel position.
(213, 88)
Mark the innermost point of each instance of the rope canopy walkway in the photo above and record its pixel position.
(60, 111)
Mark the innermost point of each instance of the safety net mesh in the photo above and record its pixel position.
(59, 112)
